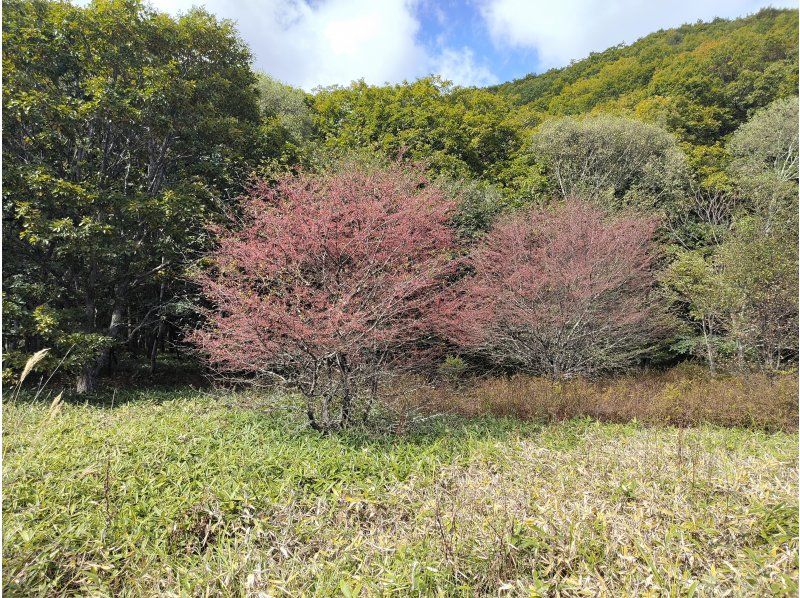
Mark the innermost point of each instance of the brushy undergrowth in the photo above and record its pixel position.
(684, 396)
(181, 493)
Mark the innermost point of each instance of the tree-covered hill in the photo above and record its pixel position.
(126, 132)
(699, 80)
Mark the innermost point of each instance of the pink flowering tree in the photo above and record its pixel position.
(561, 292)
(327, 283)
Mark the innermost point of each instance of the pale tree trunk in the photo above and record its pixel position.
(709, 352)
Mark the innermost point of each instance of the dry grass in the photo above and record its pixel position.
(647, 513)
(681, 397)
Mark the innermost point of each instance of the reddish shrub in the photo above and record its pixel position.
(562, 292)
(329, 281)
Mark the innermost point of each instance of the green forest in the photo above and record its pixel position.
(126, 132)
(415, 339)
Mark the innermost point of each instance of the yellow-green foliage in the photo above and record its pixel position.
(701, 81)
(455, 131)
(180, 494)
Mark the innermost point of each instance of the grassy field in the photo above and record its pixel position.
(182, 493)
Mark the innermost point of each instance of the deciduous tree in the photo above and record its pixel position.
(742, 297)
(122, 128)
(765, 154)
(462, 132)
(618, 162)
(561, 292)
(330, 281)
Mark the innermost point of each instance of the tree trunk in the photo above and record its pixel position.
(347, 398)
(154, 348)
(556, 369)
(709, 352)
(157, 342)
(87, 379)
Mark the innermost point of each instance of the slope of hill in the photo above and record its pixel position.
(700, 80)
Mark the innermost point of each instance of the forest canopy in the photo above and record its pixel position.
(130, 135)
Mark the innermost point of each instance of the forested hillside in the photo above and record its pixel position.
(127, 133)
(258, 341)
(701, 80)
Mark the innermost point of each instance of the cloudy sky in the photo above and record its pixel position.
(308, 43)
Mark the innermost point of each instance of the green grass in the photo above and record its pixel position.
(185, 494)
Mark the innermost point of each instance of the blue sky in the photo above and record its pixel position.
(308, 43)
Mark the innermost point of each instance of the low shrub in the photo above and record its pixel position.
(682, 397)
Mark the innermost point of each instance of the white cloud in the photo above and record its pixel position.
(563, 30)
(309, 43)
(459, 66)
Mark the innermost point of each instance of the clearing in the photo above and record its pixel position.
(184, 493)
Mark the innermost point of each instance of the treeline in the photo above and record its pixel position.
(128, 132)
(701, 81)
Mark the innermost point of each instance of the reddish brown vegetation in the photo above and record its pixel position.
(329, 281)
(682, 397)
(561, 292)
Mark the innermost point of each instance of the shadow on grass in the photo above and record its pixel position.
(287, 412)
(108, 396)
(130, 381)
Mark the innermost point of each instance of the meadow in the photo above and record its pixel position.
(532, 339)
(188, 492)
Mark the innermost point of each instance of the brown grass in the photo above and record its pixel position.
(680, 397)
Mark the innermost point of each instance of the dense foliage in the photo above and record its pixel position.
(700, 81)
(739, 287)
(457, 131)
(122, 129)
(561, 292)
(127, 132)
(328, 282)
(613, 161)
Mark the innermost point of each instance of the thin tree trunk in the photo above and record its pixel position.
(160, 331)
(709, 352)
(87, 379)
(347, 397)
(156, 345)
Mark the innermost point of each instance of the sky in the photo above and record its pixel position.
(311, 43)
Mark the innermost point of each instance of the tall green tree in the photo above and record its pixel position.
(462, 132)
(765, 160)
(287, 124)
(742, 298)
(122, 128)
(740, 291)
(615, 161)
